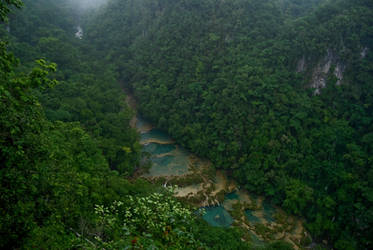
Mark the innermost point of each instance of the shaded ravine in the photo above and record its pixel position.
(202, 186)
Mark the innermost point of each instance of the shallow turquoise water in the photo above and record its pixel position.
(176, 162)
(167, 166)
(268, 211)
(155, 134)
(217, 216)
(231, 196)
(251, 217)
(156, 148)
(163, 161)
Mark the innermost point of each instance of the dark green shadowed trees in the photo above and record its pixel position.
(234, 81)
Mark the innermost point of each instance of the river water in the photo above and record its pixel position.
(170, 161)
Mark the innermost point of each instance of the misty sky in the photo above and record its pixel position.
(87, 4)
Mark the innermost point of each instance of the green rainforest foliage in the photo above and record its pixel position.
(222, 77)
(88, 91)
(231, 80)
(67, 150)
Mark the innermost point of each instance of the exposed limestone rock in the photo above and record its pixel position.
(338, 72)
(79, 32)
(321, 71)
(364, 52)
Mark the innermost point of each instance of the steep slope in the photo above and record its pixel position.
(58, 187)
(88, 92)
(52, 173)
(221, 77)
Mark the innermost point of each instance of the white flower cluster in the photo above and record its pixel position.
(153, 213)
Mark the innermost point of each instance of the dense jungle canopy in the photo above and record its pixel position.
(279, 93)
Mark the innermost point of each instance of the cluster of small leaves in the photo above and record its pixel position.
(154, 221)
(4, 8)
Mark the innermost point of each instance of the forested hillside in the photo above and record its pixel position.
(68, 152)
(277, 92)
(88, 91)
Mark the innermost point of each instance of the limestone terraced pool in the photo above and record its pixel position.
(168, 159)
(264, 213)
(217, 216)
(171, 161)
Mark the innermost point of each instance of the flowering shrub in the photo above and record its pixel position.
(152, 222)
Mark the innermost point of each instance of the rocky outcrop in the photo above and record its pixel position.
(79, 32)
(320, 72)
(363, 52)
(338, 72)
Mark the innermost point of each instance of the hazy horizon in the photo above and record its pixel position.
(88, 4)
